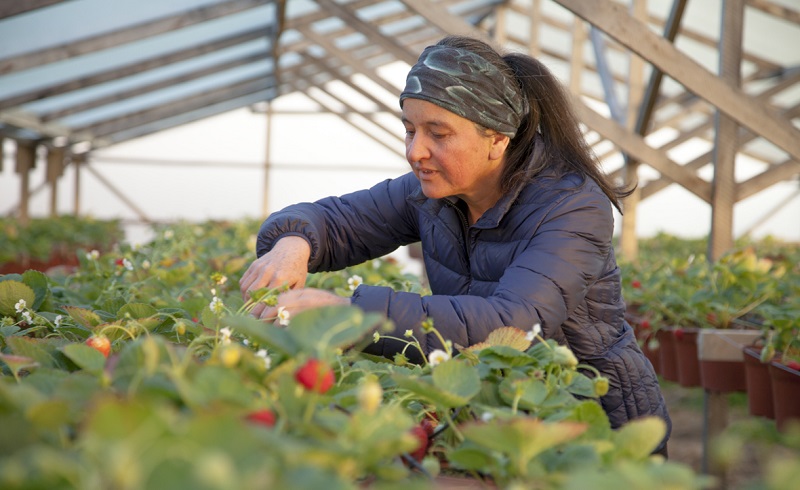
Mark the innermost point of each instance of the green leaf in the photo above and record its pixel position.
(638, 438)
(10, 293)
(85, 357)
(38, 282)
(581, 385)
(33, 348)
(318, 330)
(136, 310)
(532, 392)
(458, 378)
(264, 333)
(471, 457)
(435, 395)
(521, 439)
(592, 413)
(83, 317)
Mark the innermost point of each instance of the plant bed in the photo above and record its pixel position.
(687, 362)
(758, 382)
(667, 353)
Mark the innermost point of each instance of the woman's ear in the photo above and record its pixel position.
(499, 145)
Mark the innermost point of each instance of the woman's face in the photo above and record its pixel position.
(449, 155)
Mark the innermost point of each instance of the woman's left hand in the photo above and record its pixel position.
(296, 300)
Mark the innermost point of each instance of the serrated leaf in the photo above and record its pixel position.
(532, 392)
(83, 316)
(509, 337)
(38, 282)
(85, 357)
(10, 293)
(521, 439)
(458, 378)
(429, 392)
(470, 457)
(638, 438)
(23, 346)
(136, 311)
(322, 329)
(265, 334)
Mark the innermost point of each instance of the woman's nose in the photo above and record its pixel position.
(416, 150)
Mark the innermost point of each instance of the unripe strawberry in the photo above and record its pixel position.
(600, 386)
(316, 376)
(100, 343)
(263, 417)
(370, 395)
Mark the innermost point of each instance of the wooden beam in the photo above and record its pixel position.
(615, 21)
(636, 146)
(372, 33)
(438, 15)
(125, 35)
(131, 69)
(17, 7)
(780, 11)
(776, 173)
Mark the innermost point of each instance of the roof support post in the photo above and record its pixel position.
(55, 168)
(723, 193)
(629, 242)
(78, 160)
(26, 160)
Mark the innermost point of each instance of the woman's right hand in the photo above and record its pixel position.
(285, 265)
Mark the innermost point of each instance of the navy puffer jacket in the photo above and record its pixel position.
(542, 254)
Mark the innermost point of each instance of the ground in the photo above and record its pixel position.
(686, 443)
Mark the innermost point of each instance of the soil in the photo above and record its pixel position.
(686, 442)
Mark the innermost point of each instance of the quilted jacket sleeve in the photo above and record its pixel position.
(350, 229)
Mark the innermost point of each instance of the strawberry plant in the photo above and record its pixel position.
(195, 393)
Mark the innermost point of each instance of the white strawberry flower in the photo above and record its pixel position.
(535, 332)
(21, 305)
(226, 335)
(283, 316)
(354, 282)
(437, 357)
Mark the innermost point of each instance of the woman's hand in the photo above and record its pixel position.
(297, 300)
(285, 265)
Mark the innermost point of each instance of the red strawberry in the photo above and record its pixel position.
(678, 333)
(421, 450)
(711, 318)
(429, 425)
(793, 365)
(99, 343)
(315, 376)
(645, 325)
(119, 262)
(636, 284)
(263, 417)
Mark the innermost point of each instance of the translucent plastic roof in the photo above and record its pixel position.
(108, 71)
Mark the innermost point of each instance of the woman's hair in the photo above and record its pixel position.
(550, 113)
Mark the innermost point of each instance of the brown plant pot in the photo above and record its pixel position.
(667, 358)
(785, 394)
(686, 356)
(759, 384)
(721, 359)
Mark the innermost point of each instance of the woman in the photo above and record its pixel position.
(512, 211)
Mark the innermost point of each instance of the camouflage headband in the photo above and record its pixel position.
(467, 85)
